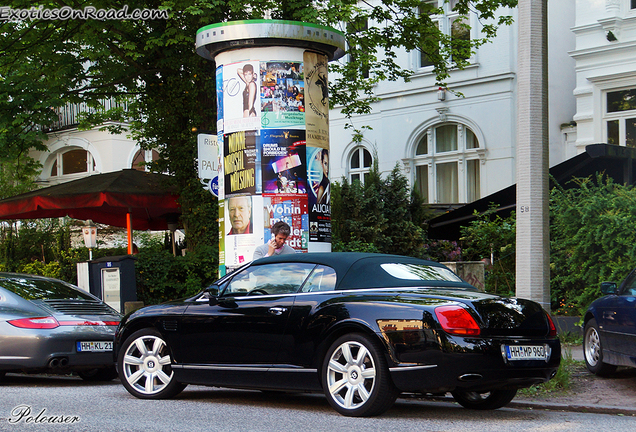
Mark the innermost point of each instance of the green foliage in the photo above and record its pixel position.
(162, 276)
(592, 239)
(382, 215)
(492, 237)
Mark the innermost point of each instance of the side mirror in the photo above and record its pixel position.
(609, 288)
(213, 295)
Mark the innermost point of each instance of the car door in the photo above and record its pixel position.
(620, 318)
(245, 327)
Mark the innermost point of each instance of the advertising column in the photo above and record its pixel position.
(273, 133)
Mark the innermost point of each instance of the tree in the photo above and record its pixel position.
(151, 67)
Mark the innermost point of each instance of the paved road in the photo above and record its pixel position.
(108, 407)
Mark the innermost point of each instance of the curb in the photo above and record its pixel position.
(551, 406)
(592, 409)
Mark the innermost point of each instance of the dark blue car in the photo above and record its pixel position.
(610, 328)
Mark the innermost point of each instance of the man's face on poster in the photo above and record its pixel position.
(240, 211)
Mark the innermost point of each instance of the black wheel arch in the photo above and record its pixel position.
(347, 327)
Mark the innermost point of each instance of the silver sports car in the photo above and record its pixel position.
(47, 325)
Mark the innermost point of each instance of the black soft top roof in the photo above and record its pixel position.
(362, 270)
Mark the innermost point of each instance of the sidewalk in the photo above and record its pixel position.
(588, 393)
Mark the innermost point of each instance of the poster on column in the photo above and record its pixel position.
(241, 101)
(219, 99)
(282, 95)
(283, 161)
(319, 194)
(243, 213)
(291, 210)
(317, 100)
(222, 268)
(241, 163)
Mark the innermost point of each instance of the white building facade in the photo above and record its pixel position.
(454, 149)
(605, 56)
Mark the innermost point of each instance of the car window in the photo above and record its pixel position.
(629, 286)
(43, 289)
(276, 278)
(419, 272)
(321, 279)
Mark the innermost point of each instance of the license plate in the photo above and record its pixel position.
(527, 352)
(100, 346)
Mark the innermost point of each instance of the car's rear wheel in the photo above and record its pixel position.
(356, 378)
(484, 400)
(593, 350)
(103, 374)
(144, 366)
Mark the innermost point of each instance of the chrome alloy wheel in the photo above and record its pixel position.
(351, 375)
(592, 346)
(146, 365)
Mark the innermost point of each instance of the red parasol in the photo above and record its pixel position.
(127, 199)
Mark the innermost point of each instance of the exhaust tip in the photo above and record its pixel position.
(470, 377)
(63, 362)
(54, 362)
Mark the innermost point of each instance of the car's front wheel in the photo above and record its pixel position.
(356, 377)
(484, 400)
(144, 366)
(593, 350)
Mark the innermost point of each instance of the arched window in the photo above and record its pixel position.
(142, 157)
(360, 163)
(447, 164)
(73, 161)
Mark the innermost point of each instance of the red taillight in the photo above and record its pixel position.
(35, 323)
(456, 320)
(553, 330)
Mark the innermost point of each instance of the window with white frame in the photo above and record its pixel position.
(447, 164)
(359, 25)
(620, 117)
(72, 161)
(360, 163)
(633, 4)
(143, 158)
(450, 23)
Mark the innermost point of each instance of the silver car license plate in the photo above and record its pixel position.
(99, 346)
(527, 352)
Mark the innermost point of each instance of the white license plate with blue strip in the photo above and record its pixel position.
(527, 352)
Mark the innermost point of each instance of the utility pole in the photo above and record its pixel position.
(533, 229)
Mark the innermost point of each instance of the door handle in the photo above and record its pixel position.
(277, 310)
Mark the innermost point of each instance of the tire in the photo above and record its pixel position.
(593, 351)
(355, 377)
(144, 366)
(484, 400)
(94, 375)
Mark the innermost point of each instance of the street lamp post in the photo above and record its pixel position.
(89, 231)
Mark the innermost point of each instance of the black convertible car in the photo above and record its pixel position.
(362, 328)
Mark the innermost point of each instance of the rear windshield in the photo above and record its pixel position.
(419, 272)
(41, 289)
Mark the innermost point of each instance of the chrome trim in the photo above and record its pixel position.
(410, 368)
(266, 368)
(359, 290)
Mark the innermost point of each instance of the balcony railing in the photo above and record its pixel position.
(68, 116)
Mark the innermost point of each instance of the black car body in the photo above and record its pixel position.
(610, 328)
(47, 325)
(363, 328)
